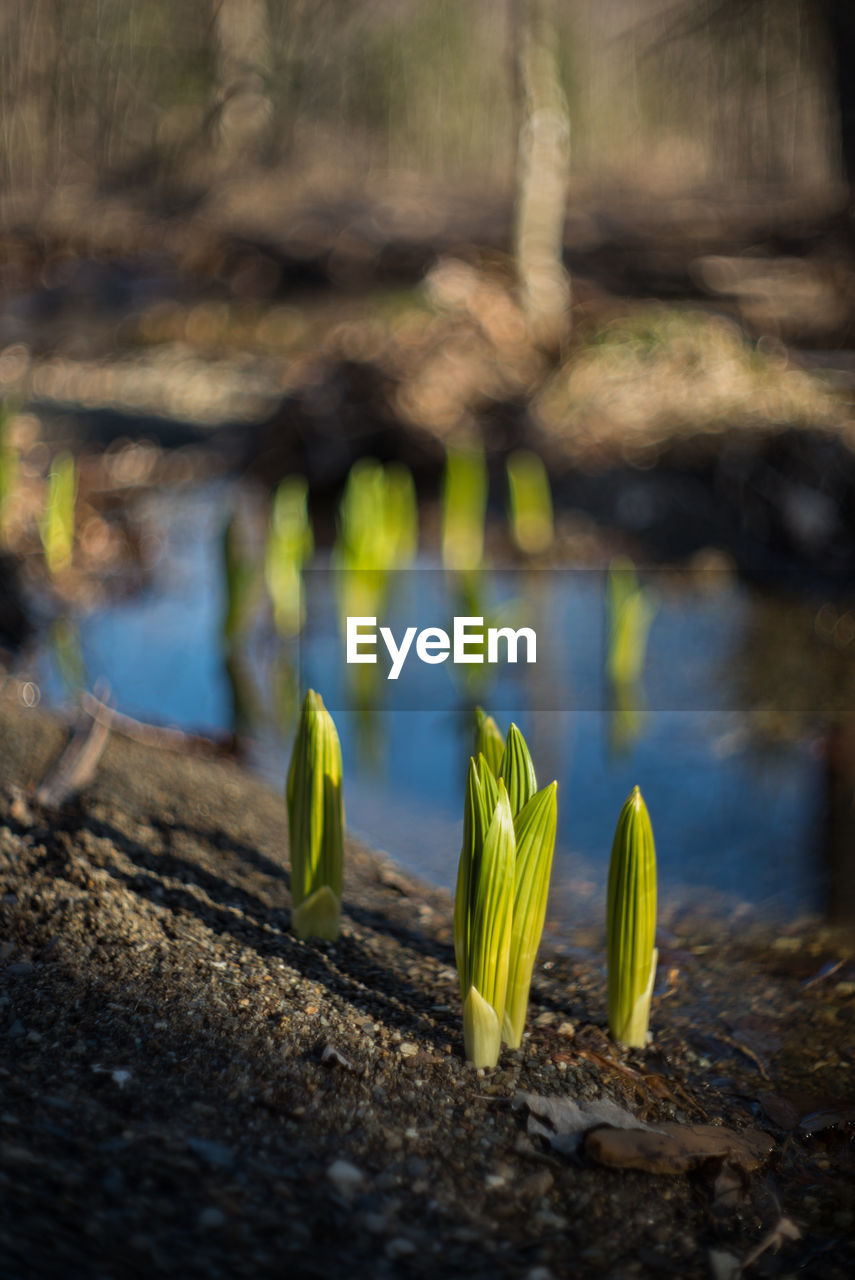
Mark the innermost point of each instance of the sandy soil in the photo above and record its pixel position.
(188, 1090)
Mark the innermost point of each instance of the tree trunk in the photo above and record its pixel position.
(243, 110)
(543, 161)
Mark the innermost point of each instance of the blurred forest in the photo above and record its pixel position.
(663, 95)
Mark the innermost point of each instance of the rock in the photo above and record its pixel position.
(213, 1153)
(676, 1148)
(345, 1177)
(400, 1247)
(211, 1218)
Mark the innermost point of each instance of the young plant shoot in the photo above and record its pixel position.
(316, 823)
(482, 912)
(631, 924)
(524, 890)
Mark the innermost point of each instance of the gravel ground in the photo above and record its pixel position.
(188, 1090)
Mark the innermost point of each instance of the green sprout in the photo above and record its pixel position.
(502, 889)
(483, 908)
(489, 742)
(316, 823)
(289, 545)
(631, 924)
(464, 508)
(529, 502)
(56, 524)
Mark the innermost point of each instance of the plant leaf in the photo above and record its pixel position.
(534, 829)
(518, 770)
(488, 740)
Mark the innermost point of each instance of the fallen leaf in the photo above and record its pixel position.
(563, 1121)
(784, 1229)
(779, 1110)
(676, 1148)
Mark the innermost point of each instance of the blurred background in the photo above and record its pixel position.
(306, 304)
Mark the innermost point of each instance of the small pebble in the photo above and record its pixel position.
(400, 1247)
(209, 1219)
(345, 1177)
(408, 1049)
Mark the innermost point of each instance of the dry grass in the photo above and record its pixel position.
(664, 372)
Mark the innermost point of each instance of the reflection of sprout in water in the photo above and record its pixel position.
(629, 613)
(241, 582)
(56, 524)
(529, 502)
(502, 886)
(9, 467)
(464, 507)
(316, 823)
(65, 643)
(378, 532)
(631, 924)
(289, 545)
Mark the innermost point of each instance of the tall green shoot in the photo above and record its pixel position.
(525, 886)
(631, 924)
(316, 823)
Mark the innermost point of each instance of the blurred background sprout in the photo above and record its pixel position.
(529, 502)
(464, 507)
(56, 524)
(289, 546)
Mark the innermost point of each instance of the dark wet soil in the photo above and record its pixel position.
(188, 1090)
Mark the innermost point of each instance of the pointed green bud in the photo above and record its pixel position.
(482, 1034)
(318, 916)
(483, 911)
(315, 820)
(631, 924)
(488, 740)
(534, 828)
(517, 770)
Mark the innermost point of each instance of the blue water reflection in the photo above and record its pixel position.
(734, 821)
